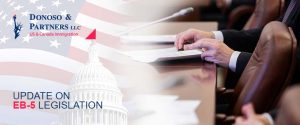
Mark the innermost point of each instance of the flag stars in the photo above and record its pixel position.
(4, 17)
(64, 13)
(18, 7)
(72, 1)
(3, 40)
(25, 13)
(40, 8)
(12, 3)
(33, 21)
(27, 38)
(10, 22)
(56, 3)
(33, 1)
(54, 44)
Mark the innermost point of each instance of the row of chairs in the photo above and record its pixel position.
(263, 12)
(269, 70)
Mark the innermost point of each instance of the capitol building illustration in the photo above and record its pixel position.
(94, 82)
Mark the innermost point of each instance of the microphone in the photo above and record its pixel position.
(182, 12)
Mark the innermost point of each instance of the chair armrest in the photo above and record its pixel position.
(230, 120)
(221, 76)
(236, 14)
(220, 118)
(220, 90)
(225, 92)
(223, 119)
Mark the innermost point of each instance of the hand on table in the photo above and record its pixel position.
(214, 51)
(190, 36)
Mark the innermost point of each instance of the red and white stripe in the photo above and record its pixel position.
(108, 19)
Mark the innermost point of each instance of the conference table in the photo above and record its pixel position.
(197, 78)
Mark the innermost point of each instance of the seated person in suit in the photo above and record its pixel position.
(232, 49)
(288, 113)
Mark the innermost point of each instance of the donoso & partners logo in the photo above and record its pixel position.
(49, 25)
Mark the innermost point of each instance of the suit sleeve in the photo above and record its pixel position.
(242, 62)
(245, 40)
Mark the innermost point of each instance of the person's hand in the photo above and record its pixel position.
(213, 51)
(191, 35)
(250, 117)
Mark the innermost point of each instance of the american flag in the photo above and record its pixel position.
(31, 63)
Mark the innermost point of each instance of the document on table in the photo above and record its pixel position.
(148, 39)
(162, 109)
(166, 54)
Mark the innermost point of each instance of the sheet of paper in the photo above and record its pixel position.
(179, 112)
(142, 105)
(149, 56)
(149, 39)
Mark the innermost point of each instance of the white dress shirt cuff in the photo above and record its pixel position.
(218, 35)
(270, 119)
(233, 60)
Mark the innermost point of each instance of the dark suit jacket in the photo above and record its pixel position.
(245, 41)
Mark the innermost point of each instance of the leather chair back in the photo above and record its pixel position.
(269, 69)
(264, 12)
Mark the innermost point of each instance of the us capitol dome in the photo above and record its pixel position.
(94, 82)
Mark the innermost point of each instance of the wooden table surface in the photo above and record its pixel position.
(198, 77)
(197, 81)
